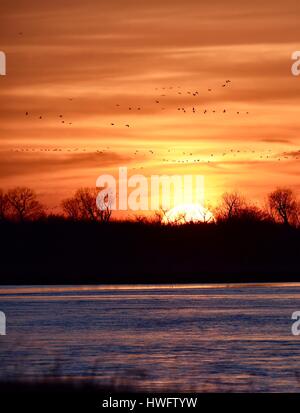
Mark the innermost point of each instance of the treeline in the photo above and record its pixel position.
(243, 244)
(22, 204)
(282, 206)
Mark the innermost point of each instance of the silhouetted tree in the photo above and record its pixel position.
(83, 206)
(231, 206)
(297, 217)
(71, 208)
(86, 199)
(4, 206)
(252, 213)
(207, 216)
(24, 205)
(104, 206)
(284, 206)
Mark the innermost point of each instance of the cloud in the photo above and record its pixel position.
(274, 140)
(27, 163)
(291, 154)
(104, 53)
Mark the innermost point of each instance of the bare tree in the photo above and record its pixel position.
(70, 207)
(24, 204)
(297, 218)
(162, 217)
(83, 206)
(86, 198)
(207, 217)
(104, 207)
(206, 214)
(4, 206)
(283, 206)
(230, 207)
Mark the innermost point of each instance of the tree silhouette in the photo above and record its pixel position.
(252, 213)
(231, 206)
(23, 204)
(82, 206)
(71, 208)
(4, 206)
(283, 206)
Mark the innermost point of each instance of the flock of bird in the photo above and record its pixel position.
(161, 100)
(174, 156)
(185, 157)
(59, 117)
(197, 107)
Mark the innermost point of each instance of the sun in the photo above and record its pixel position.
(187, 213)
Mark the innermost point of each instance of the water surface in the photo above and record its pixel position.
(185, 338)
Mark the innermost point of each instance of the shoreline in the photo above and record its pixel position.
(271, 281)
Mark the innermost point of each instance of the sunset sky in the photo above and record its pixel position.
(85, 65)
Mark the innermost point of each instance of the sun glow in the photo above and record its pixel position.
(187, 213)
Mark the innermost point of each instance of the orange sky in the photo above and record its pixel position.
(80, 59)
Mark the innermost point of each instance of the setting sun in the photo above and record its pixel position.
(187, 213)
